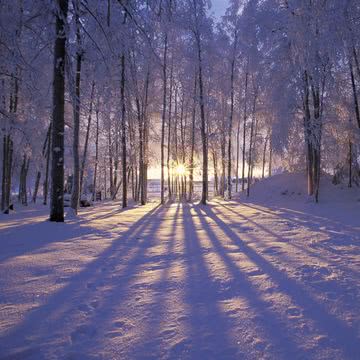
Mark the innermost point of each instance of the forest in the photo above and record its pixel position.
(180, 179)
(96, 93)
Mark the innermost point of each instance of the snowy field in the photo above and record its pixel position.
(272, 277)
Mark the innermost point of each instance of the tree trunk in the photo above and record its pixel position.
(145, 133)
(36, 189)
(6, 180)
(350, 164)
(193, 118)
(76, 188)
(141, 147)
(47, 155)
(111, 170)
(308, 141)
(237, 156)
(251, 145)
(204, 194)
(216, 182)
(22, 195)
(123, 132)
(96, 151)
(357, 65)
(270, 157)
(264, 157)
(356, 101)
(231, 116)
(57, 170)
(4, 170)
(162, 189)
(169, 134)
(223, 164)
(83, 162)
(244, 135)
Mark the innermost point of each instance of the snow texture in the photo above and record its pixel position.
(276, 278)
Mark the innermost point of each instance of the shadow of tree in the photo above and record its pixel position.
(340, 334)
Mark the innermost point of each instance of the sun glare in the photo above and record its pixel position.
(180, 170)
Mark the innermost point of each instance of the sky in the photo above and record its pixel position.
(219, 7)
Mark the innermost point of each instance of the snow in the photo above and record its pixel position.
(270, 277)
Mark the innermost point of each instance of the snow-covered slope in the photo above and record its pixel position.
(289, 190)
(292, 187)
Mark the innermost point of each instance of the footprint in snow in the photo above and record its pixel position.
(293, 312)
(83, 332)
(61, 279)
(256, 272)
(122, 324)
(94, 304)
(119, 324)
(169, 333)
(332, 295)
(114, 334)
(84, 308)
(179, 349)
(246, 228)
(313, 272)
(272, 250)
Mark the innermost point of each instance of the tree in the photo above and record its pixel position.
(57, 144)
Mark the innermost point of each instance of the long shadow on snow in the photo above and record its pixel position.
(308, 220)
(58, 309)
(276, 334)
(340, 334)
(209, 327)
(28, 236)
(153, 331)
(346, 269)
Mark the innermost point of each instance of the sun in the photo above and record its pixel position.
(180, 170)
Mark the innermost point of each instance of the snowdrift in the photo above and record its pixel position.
(292, 187)
(337, 203)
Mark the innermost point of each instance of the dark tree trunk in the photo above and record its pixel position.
(83, 162)
(36, 188)
(251, 145)
(205, 184)
(355, 96)
(47, 155)
(57, 146)
(6, 180)
(123, 132)
(237, 156)
(145, 132)
(96, 152)
(22, 196)
(216, 181)
(350, 164)
(76, 187)
(111, 170)
(270, 157)
(244, 135)
(169, 135)
(264, 157)
(193, 118)
(163, 119)
(4, 170)
(231, 116)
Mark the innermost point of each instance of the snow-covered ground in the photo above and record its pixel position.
(270, 277)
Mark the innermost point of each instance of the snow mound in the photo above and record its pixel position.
(293, 187)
